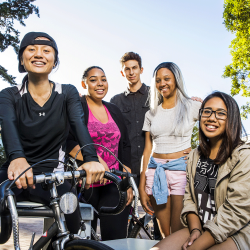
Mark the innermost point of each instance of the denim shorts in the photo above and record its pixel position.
(176, 180)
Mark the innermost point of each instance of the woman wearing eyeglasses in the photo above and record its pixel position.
(169, 125)
(217, 199)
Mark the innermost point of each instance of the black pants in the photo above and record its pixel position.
(39, 195)
(112, 226)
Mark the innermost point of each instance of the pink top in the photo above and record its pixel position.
(108, 135)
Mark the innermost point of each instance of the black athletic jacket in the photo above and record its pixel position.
(37, 133)
(124, 149)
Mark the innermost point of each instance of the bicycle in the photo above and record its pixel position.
(129, 182)
(66, 204)
(135, 223)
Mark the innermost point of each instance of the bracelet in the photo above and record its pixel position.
(195, 229)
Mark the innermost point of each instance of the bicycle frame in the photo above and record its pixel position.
(59, 227)
(137, 220)
(134, 209)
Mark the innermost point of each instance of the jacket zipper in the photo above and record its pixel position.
(219, 182)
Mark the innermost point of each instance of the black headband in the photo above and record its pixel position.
(30, 39)
(42, 42)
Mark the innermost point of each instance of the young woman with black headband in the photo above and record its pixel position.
(35, 118)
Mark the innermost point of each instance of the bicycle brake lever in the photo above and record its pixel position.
(83, 184)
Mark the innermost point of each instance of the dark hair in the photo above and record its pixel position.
(130, 56)
(232, 134)
(30, 39)
(86, 71)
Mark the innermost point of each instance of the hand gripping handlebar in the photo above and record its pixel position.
(122, 188)
(8, 211)
(59, 177)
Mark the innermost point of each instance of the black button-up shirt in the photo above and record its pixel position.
(134, 106)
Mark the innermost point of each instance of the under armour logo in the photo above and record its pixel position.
(40, 114)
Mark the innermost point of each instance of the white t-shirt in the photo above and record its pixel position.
(160, 127)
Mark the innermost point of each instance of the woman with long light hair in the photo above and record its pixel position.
(168, 124)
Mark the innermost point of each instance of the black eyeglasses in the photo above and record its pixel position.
(219, 114)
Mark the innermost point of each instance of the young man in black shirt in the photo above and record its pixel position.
(133, 103)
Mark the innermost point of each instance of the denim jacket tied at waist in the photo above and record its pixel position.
(160, 185)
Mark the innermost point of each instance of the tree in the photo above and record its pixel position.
(236, 19)
(13, 10)
(195, 136)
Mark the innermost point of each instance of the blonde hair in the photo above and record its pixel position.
(182, 106)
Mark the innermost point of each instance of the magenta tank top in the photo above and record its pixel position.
(108, 135)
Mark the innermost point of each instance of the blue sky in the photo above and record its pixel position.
(97, 32)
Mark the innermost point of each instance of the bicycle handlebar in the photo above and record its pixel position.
(81, 173)
(131, 182)
(58, 178)
(8, 211)
(122, 174)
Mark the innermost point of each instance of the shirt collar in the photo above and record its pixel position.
(142, 90)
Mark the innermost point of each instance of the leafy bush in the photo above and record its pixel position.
(195, 136)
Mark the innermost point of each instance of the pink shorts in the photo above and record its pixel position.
(176, 180)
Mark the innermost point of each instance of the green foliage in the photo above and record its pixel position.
(245, 110)
(6, 77)
(2, 155)
(195, 136)
(237, 20)
(13, 10)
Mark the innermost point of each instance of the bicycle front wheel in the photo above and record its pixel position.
(136, 229)
(139, 228)
(86, 245)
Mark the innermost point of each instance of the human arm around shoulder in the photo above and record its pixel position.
(198, 99)
(93, 168)
(195, 107)
(11, 139)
